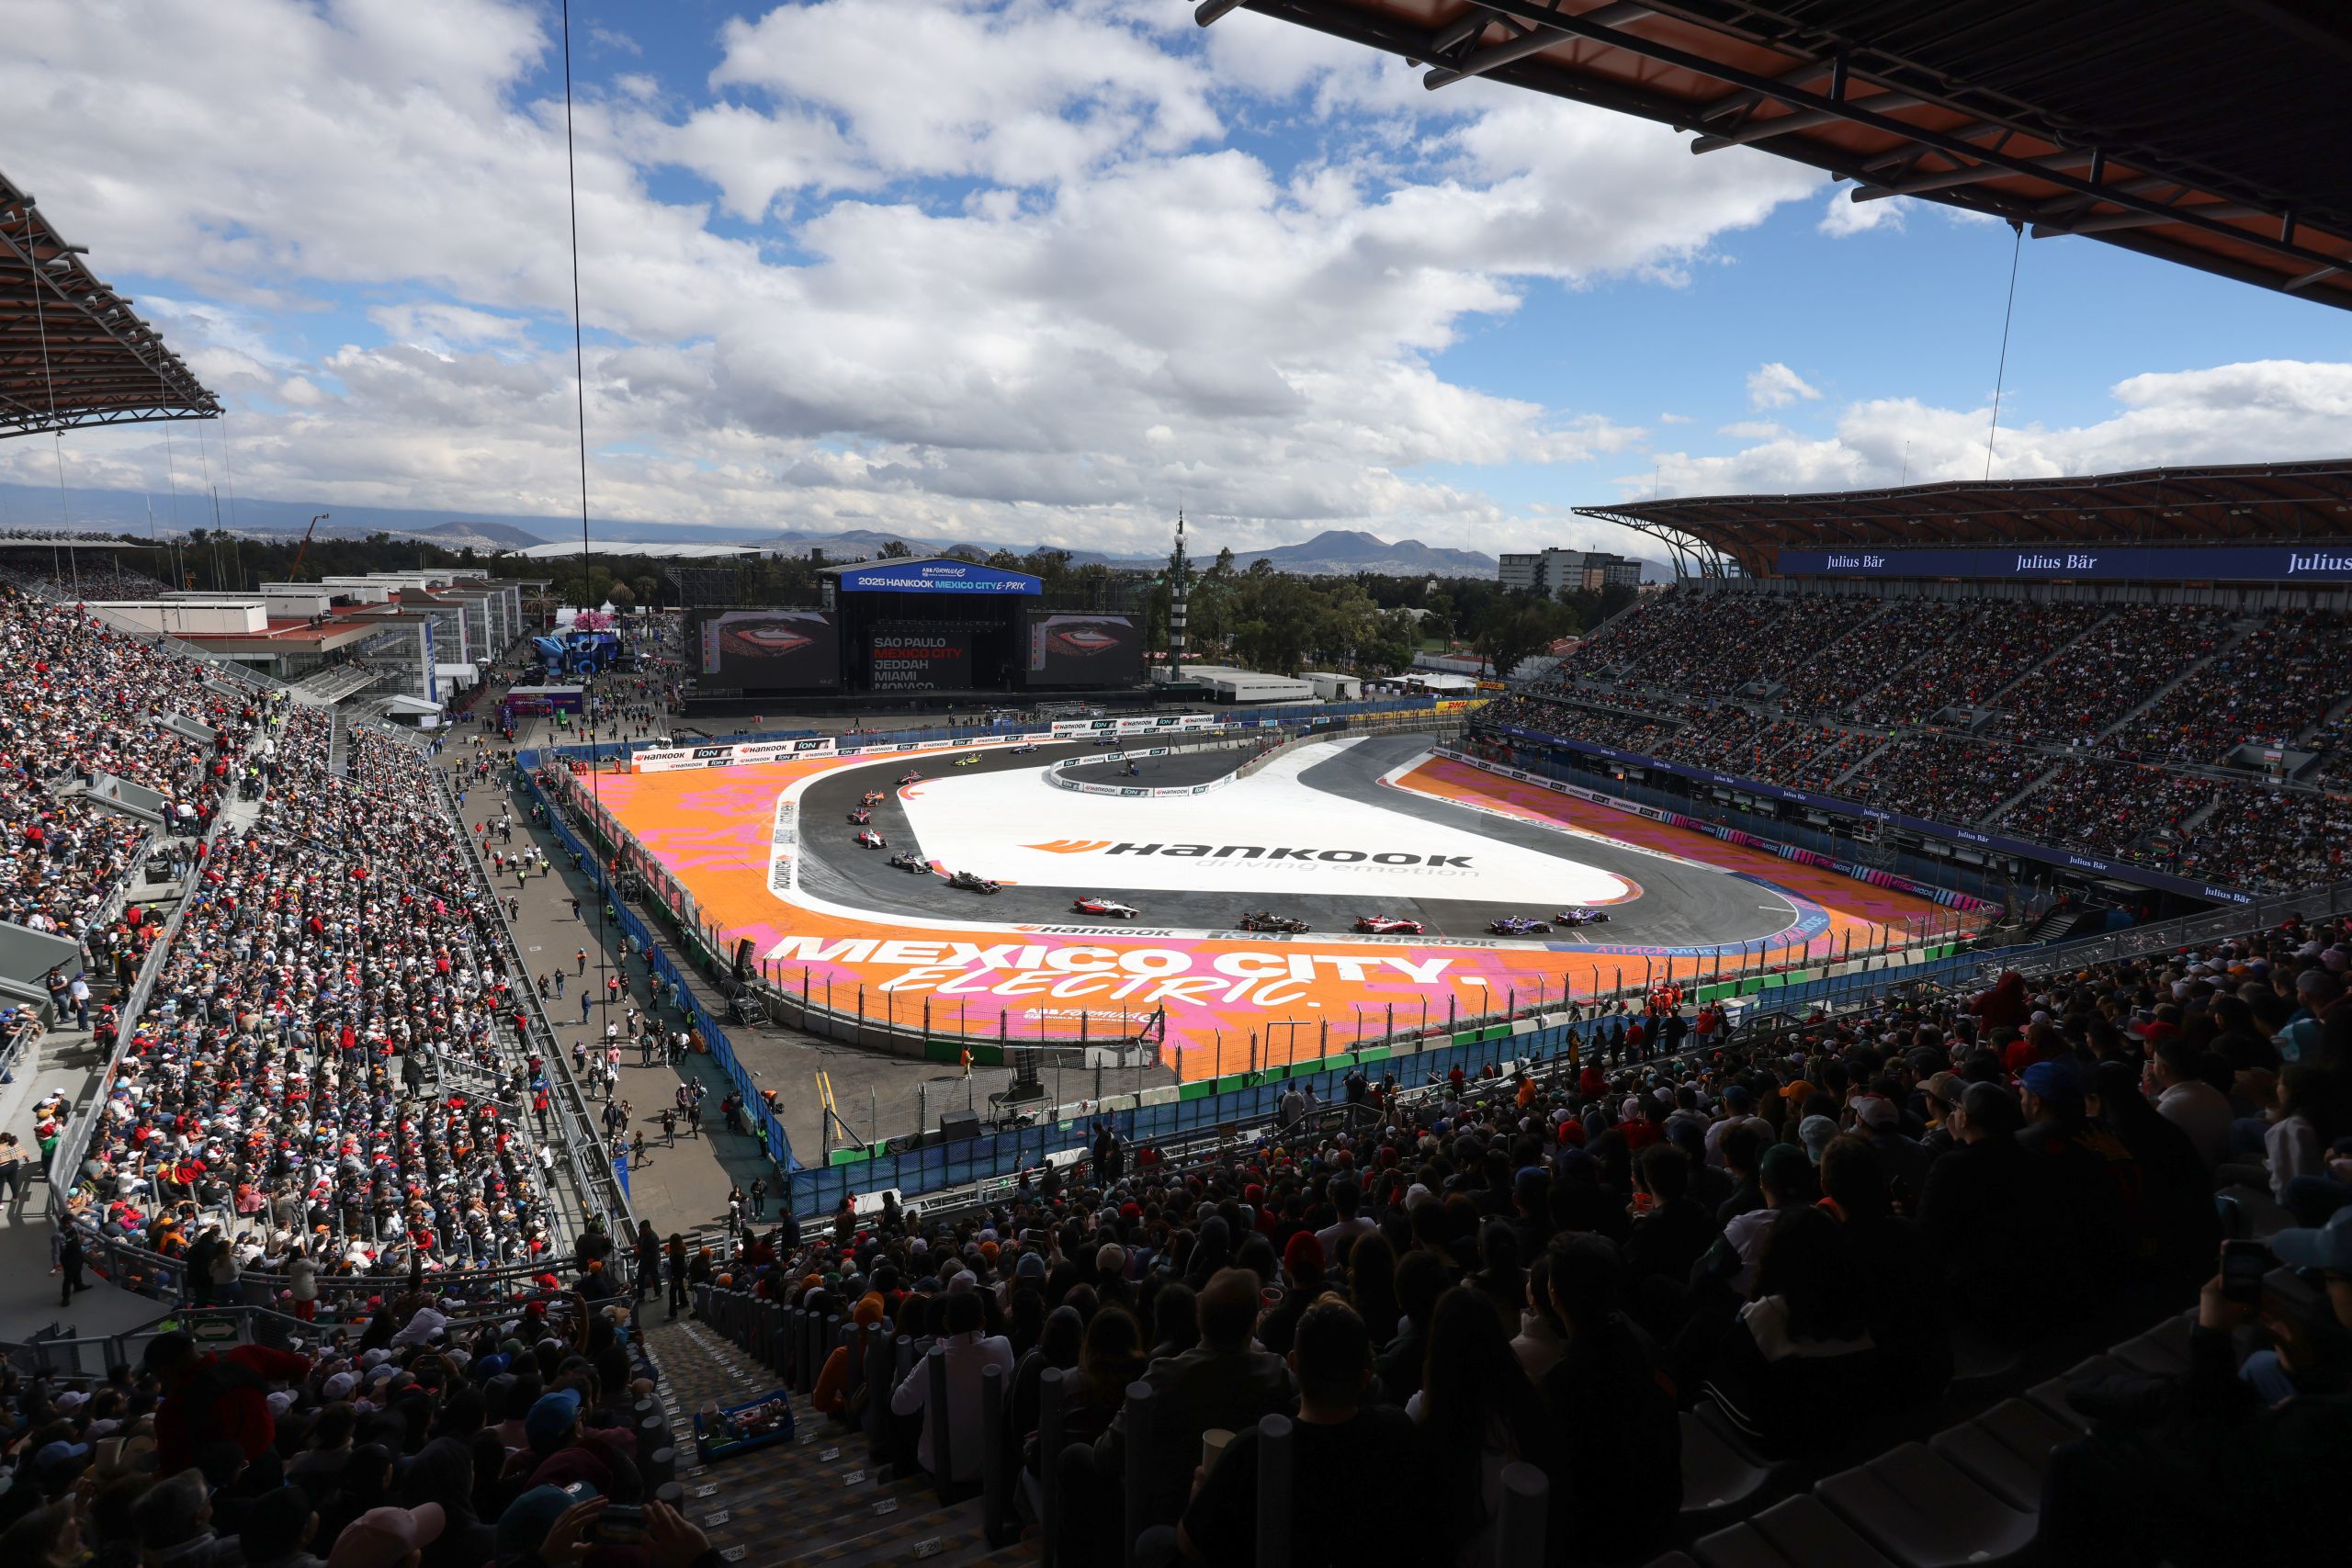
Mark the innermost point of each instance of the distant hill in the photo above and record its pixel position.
(1340, 552)
(480, 535)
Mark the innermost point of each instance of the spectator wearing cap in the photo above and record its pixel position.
(2248, 1464)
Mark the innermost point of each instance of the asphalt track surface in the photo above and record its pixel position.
(1678, 906)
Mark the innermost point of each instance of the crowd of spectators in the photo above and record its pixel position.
(407, 1437)
(277, 1104)
(2275, 842)
(2060, 675)
(1685, 641)
(2089, 684)
(2112, 808)
(1944, 778)
(76, 579)
(85, 701)
(1796, 1229)
(2269, 688)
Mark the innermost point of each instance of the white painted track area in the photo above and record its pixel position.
(994, 824)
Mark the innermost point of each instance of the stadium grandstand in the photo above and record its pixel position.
(2034, 1247)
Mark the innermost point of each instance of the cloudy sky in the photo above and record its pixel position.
(1049, 270)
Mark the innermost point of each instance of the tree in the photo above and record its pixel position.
(896, 550)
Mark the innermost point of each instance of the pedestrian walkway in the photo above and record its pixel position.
(683, 1182)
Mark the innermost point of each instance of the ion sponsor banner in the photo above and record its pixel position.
(2087, 563)
(1154, 724)
(760, 649)
(1085, 651)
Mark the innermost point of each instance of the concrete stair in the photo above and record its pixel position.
(821, 1498)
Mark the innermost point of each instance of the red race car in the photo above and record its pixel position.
(861, 816)
(912, 775)
(1387, 925)
(867, 839)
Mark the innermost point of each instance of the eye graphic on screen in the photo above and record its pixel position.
(768, 639)
(1082, 641)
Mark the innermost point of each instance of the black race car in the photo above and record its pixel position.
(1579, 916)
(904, 862)
(1025, 750)
(1264, 920)
(971, 883)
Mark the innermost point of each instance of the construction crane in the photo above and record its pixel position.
(294, 573)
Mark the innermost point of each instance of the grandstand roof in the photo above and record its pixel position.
(73, 351)
(2267, 504)
(2205, 135)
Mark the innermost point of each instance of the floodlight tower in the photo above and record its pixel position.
(1177, 587)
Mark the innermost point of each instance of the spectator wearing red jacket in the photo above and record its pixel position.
(206, 1397)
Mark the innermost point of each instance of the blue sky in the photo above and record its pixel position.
(1047, 270)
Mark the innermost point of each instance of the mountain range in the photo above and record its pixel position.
(1335, 552)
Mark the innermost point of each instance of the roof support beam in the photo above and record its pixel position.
(1518, 48)
(1803, 119)
(1859, 113)
(2113, 221)
(1966, 174)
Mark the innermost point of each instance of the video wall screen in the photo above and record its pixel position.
(772, 648)
(1085, 651)
(922, 658)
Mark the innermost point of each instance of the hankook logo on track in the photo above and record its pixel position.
(1250, 851)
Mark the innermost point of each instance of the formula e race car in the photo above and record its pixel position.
(862, 815)
(1025, 750)
(967, 759)
(1110, 908)
(867, 839)
(971, 883)
(874, 797)
(1387, 925)
(912, 775)
(1263, 920)
(1516, 925)
(1579, 916)
(902, 861)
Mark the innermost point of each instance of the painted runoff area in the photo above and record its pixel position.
(1265, 831)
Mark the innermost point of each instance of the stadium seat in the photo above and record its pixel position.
(2162, 1351)
(1975, 1358)
(2006, 1450)
(1796, 1533)
(1715, 1474)
(1923, 1513)
(2050, 1395)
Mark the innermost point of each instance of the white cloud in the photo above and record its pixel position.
(2230, 413)
(1773, 385)
(1844, 217)
(1674, 419)
(1753, 430)
(615, 39)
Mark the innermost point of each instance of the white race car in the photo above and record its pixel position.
(867, 839)
(1110, 908)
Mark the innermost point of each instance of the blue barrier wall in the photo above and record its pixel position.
(674, 990)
